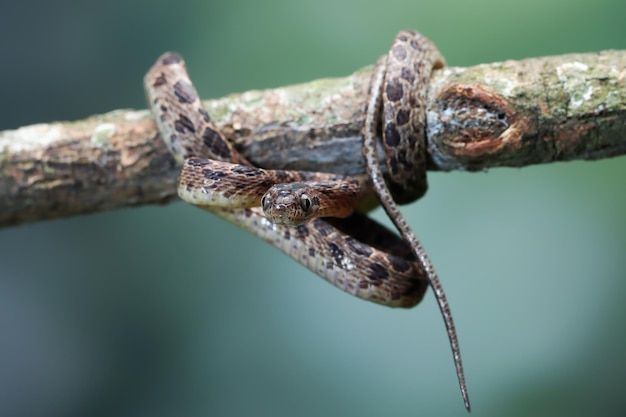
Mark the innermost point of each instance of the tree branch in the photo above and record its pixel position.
(513, 113)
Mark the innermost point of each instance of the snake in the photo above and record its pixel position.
(314, 217)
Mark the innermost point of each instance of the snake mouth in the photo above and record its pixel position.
(279, 217)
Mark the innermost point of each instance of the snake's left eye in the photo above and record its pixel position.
(305, 202)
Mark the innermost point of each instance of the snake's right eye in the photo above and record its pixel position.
(265, 203)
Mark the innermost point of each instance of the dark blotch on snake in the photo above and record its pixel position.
(171, 58)
(311, 252)
(402, 117)
(378, 272)
(398, 264)
(183, 123)
(303, 231)
(159, 81)
(198, 162)
(185, 92)
(204, 114)
(213, 141)
(287, 235)
(214, 175)
(266, 184)
(394, 90)
(246, 170)
(392, 137)
(281, 176)
(336, 253)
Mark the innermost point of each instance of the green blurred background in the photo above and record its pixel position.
(170, 311)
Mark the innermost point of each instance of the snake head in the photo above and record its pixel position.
(291, 204)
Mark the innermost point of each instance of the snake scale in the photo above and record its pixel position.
(313, 216)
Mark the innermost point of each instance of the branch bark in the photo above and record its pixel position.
(512, 113)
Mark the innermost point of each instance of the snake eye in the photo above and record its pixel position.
(305, 202)
(265, 204)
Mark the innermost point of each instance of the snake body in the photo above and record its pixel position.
(354, 253)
